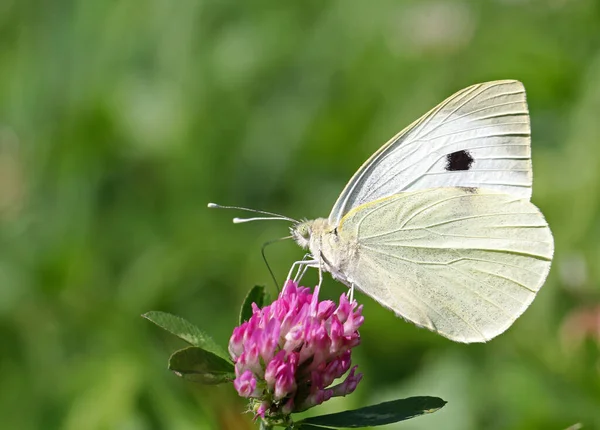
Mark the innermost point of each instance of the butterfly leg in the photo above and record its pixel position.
(351, 293)
(301, 267)
(302, 270)
(321, 258)
(320, 272)
(305, 262)
(300, 273)
(294, 266)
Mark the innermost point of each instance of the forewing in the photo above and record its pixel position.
(479, 137)
(464, 263)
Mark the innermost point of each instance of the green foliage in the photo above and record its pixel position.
(205, 362)
(186, 331)
(255, 295)
(199, 365)
(377, 415)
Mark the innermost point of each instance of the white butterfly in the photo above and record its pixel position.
(437, 225)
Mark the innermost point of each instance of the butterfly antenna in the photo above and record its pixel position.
(264, 256)
(272, 216)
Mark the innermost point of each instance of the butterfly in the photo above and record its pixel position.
(437, 225)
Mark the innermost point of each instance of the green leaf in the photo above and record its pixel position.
(186, 331)
(312, 427)
(266, 298)
(255, 295)
(377, 415)
(199, 365)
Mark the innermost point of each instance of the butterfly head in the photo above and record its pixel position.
(308, 233)
(302, 233)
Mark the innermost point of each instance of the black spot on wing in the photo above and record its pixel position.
(459, 160)
(469, 190)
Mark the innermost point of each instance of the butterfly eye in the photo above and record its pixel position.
(305, 232)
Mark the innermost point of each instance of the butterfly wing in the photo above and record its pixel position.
(461, 263)
(479, 137)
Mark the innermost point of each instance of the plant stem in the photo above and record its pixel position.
(265, 426)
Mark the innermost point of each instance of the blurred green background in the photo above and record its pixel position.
(120, 120)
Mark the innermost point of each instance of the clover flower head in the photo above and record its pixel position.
(289, 353)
